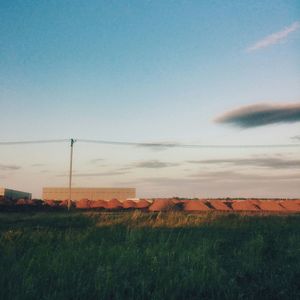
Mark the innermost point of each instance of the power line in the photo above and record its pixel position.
(33, 142)
(151, 145)
(175, 145)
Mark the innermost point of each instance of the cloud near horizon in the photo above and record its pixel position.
(238, 176)
(37, 165)
(9, 167)
(267, 162)
(158, 146)
(274, 38)
(95, 174)
(297, 137)
(211, 177)
(95, 160)
(220, 184)
(154, 164)
(261, 114)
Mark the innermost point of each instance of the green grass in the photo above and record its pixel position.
(148, 256)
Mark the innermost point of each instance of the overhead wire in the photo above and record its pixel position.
(150, 145)
(33, 142)
(178, 145)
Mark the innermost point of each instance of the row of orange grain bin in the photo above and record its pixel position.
(167, 204)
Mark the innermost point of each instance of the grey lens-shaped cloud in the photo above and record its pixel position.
(268, 162)
(261, 114)
(9, 167)
(154, 164)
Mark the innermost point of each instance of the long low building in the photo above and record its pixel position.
(9, 194)
(62, 193)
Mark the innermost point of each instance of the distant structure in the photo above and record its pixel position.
(62, 193)
(9, 194)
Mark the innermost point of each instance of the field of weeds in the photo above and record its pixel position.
(137, 255)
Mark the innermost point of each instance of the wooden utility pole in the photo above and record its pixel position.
(70, 175)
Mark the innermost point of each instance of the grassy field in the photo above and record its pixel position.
(148, 256)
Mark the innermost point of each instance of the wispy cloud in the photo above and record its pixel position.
(112, 173)
(45, 171)
(148, 164)
(158, 146)
(9, 167)
(261, 114)
(296, 138)
(274, 38)
(216, 176)
(95, 160)
(154, 164)
(37, 165)
(220, 184)
(238, 176)
(267, 162)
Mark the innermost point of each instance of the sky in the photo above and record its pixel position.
(195, 72)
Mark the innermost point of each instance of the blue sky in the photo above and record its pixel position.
(147, 71)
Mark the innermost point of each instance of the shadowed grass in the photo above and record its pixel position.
(148, 256)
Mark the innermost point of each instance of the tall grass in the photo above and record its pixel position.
(148, 256)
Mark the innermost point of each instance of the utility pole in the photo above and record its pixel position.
(70, 175)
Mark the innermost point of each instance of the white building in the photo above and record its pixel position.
(9, 194)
